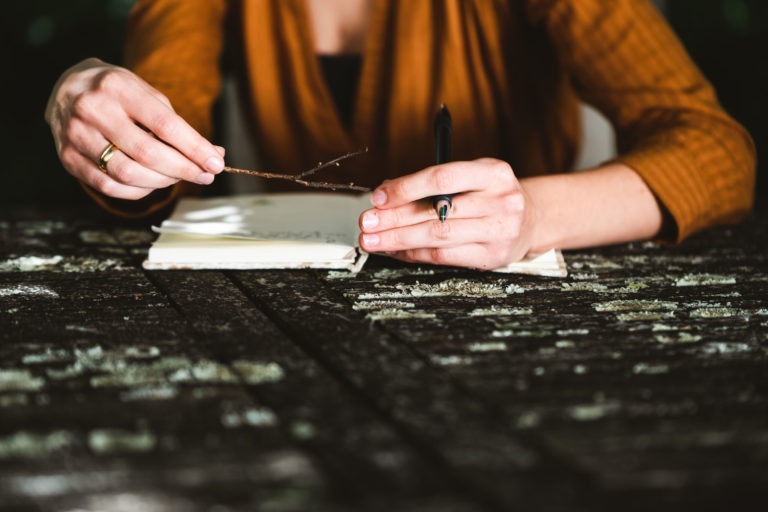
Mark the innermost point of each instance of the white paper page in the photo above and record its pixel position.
(194, 249)
(550, 263)
(312, 217)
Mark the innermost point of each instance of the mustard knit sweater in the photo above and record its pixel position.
(511, 71)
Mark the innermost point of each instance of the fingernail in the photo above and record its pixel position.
(379, 197)
(370, 220)
(205, 178)
(214, 164)
(221, 150)
(371, 240)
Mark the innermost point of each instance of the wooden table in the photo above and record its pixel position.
(639, 382)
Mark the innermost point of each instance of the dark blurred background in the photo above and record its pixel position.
(41, 38)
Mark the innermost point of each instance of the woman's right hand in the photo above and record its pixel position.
(95, 104)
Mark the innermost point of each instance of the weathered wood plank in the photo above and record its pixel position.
(640, 345)
(637, 382)
(363, 458)
(96, 380)
(105, 395)
(480, 453)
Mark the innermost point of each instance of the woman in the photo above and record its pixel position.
(512, 73)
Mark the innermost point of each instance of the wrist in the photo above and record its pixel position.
(538, 235)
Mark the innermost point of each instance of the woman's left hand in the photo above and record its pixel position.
(489, 225)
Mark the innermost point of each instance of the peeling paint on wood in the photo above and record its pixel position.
(469, 391)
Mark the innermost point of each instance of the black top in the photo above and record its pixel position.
(342, 74)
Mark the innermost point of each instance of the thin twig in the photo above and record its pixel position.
(329, 163)
(296, 178)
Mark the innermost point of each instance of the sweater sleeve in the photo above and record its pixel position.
(174, 45)
(625, 60)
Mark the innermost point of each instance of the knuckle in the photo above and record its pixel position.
(439, 256)
(397, 189)
(442, 180)
(108, 81)
(397, 216)
(188, 173)
(85, 106)
(143, 152)
(165, 125)
(123, 172)
(163, 98)
(70, 134)
(502, 172)
(401, 255)
(107, 84)
(394, 239)
(512, 203)
(69, 157)
(75, 133)
(410, 255)
(502, 166)
(389, 217)
(107, 187)
(440, 230)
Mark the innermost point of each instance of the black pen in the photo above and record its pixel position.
(443, 129)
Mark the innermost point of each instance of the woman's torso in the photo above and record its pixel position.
(497, 73)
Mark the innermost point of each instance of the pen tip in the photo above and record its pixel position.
(443, 212)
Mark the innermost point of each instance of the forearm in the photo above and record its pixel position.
(624, 59)
(607, 205)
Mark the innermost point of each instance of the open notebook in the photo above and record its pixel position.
(305, 230)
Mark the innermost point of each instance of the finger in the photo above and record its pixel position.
(89, 172)
(428, 234)
(122, 167)
(150, 153)
(449, 178)
(465, 206)
(375, 219)
(118, 99)
(84, 147)
(161, 120)
(479, 256)
(127, 171)
(157, 94)
(102, 115)
(85, 139)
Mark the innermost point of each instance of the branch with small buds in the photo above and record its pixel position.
(298, 178)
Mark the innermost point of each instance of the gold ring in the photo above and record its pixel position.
(106, 156)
